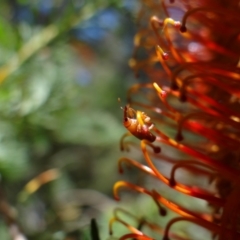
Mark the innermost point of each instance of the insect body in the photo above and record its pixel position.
(138, 124)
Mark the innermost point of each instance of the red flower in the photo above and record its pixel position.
(196, 89)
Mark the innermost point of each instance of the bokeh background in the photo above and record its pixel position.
(63, 65)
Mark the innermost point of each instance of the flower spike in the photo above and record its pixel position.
(192, 96)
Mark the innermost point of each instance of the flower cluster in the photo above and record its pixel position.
(189, 53)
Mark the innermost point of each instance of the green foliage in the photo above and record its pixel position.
(58, 110)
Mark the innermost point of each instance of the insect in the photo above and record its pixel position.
(138, 124)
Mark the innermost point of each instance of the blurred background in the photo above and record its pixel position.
(63, 65)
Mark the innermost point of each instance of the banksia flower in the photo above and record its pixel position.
(187, 55)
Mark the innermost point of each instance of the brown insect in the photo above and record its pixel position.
(138, 124)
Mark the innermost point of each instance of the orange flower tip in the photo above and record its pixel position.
(183, 29)
(163, 212)
(122, 149)
(179, 137)
(117, 198)
(174, 86)
(157, 149)
(172, 182)
(165, 56)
